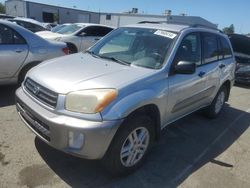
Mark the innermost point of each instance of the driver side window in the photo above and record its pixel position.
(189, 50)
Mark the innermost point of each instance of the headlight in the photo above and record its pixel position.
(90, 101)
(244, 69)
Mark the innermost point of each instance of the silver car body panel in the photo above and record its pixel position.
(174, 95)
(14, 57)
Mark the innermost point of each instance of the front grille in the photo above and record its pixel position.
(37, 125)
(41, 93)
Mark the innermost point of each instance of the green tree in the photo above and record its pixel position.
(2, 8)
(229, 30)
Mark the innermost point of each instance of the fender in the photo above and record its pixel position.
(125, 105)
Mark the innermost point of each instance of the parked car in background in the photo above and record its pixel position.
(78, 36)
(20, 50)
(4, 16)
(241, 47)
(58, 27)
(49, 26)
(112, 101)
(29, 24)
(52, 31)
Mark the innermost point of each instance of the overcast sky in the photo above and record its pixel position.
(222, 12)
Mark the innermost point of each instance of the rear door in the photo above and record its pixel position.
(211, 64)
(186, 91)
(91, 34)
(13, 51)
(226, 61)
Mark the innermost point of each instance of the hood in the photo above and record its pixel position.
(49, 35)
(82, 71)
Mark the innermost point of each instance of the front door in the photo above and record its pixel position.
(186, 91)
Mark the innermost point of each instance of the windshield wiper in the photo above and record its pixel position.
(92, 53)
(106, 57)
(115, 60)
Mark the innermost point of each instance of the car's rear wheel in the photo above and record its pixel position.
(218, 103)
(72, 48)
(130, 145)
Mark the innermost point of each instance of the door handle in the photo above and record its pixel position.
(18, 50)
(222, 66)
(201, 74)
(96, 39)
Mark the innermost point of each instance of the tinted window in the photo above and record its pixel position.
(96, 31)
(190, 49)
(30, 26)
(226, 50)
(210, 48)
(104, 31)
(9, 36)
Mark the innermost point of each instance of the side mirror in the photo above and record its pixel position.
(185, 67)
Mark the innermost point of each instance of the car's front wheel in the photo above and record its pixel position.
(130, 145)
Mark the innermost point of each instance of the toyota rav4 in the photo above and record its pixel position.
(111, 101)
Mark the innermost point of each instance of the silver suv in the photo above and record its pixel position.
(112, 101)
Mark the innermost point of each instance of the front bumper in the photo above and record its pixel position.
(54, 128)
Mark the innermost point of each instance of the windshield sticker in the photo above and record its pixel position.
(165, 34)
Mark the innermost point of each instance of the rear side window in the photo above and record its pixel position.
(97, 31)
(104, 31)
(9, 36)
(225, 48)
(30, 26)
(210, 48)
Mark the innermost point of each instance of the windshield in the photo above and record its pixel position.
(57, 28)
(69, 29)
(136, 46)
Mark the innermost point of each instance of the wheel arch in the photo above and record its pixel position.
(227, 85)
(153, 112)
(26, 68)
(72, 46)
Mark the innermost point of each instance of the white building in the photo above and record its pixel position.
(116, 19)
(50, 13)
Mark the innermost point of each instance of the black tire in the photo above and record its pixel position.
(211, 111)
(72, 48)
(112, 160)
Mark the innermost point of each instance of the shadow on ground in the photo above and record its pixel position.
(241, 85)
(7, 95)
(184, 147)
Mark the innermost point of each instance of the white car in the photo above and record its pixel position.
(78, 36)
(29, 24)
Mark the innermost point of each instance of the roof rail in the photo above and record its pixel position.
(205, 26)
(181, 23)
(151, 22)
